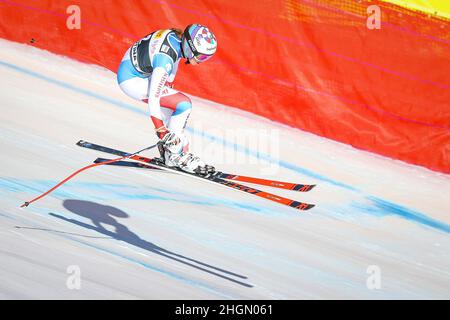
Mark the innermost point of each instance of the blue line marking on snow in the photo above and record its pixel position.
(389, 208)
(72, 87)
(381, 208)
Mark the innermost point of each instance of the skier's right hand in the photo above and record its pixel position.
(162, 132)
(166, 137)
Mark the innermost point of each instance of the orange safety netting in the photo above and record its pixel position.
(311, 64)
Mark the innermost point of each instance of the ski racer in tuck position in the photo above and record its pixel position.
(147, 72)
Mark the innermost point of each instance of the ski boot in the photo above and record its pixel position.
(172, 155)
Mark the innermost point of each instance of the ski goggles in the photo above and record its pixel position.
(201, 57)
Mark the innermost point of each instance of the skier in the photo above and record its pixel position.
(147, 73)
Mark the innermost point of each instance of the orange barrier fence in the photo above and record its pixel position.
(310, 64)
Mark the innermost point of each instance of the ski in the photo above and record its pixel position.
(214, 178)
(226, 176)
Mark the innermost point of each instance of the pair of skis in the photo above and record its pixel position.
(225, 179)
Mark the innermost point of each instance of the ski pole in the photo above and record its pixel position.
(27, 203)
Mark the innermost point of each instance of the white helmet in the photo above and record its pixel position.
(198, 43)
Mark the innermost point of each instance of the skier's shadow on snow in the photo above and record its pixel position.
(105, 215)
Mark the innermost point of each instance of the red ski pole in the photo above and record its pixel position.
(27, 203)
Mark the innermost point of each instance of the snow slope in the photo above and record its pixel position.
(144, 234)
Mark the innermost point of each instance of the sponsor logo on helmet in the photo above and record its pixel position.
(207, 35)
(191, 45)
(198, 37)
